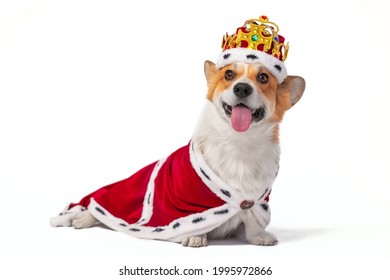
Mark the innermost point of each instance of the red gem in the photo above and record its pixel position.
(264, 17)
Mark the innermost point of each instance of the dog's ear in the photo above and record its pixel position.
(209, 70)
(291, 90)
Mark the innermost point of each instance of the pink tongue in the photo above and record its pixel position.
(241, 118)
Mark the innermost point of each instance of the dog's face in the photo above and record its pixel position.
(247, 94)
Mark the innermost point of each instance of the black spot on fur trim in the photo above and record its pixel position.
(100, 211)
(225, 211)
(252, 56)
(264, 206)
(176, 225)
(83, 209)
(197, 220)
(278, 67)
(205, 174)
(123, 225)
(158, 230)
(226, 55)
(266, 190)
(134, 229)
(150, 194)
(225, 192)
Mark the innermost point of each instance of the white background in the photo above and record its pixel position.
(91, 91)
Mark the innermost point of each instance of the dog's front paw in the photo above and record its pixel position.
(195, 241)
(263, 238)
(83, 220)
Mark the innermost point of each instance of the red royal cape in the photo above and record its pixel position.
(176, 197)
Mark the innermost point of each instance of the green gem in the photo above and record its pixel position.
(254, 37)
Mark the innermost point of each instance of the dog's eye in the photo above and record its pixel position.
(262, 78)
(230, 75)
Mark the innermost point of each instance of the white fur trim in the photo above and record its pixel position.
(147, 209)
(191, 225)
(263, 215)
(273, 65)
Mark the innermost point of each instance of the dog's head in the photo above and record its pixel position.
(247, 95)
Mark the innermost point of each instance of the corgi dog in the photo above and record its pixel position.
(238, 134)
(220, 182)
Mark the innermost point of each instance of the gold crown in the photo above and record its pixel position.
(258, 34)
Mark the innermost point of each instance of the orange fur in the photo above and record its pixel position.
(216, 80)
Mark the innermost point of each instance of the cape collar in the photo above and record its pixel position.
(219, 187)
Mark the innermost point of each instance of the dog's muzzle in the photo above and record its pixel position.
(257, 114)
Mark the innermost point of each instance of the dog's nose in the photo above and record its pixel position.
(242, 90)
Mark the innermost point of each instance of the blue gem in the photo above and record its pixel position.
(276, 39)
